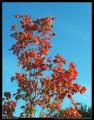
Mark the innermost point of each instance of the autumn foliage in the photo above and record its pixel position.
(31, 48)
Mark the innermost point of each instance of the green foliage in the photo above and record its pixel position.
(85, 111)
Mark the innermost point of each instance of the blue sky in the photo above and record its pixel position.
(73, 40)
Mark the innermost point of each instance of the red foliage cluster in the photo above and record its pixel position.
(10, 104)
(71, 114)
(8, 107)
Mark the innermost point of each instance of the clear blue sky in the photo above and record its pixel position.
(73, 40)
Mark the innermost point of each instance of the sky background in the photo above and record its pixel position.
(73, 41)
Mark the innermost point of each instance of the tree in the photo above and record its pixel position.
(85, 111)
(31, 48)
(82, 109)
(8, 107)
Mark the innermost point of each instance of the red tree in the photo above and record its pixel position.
(31, 47)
